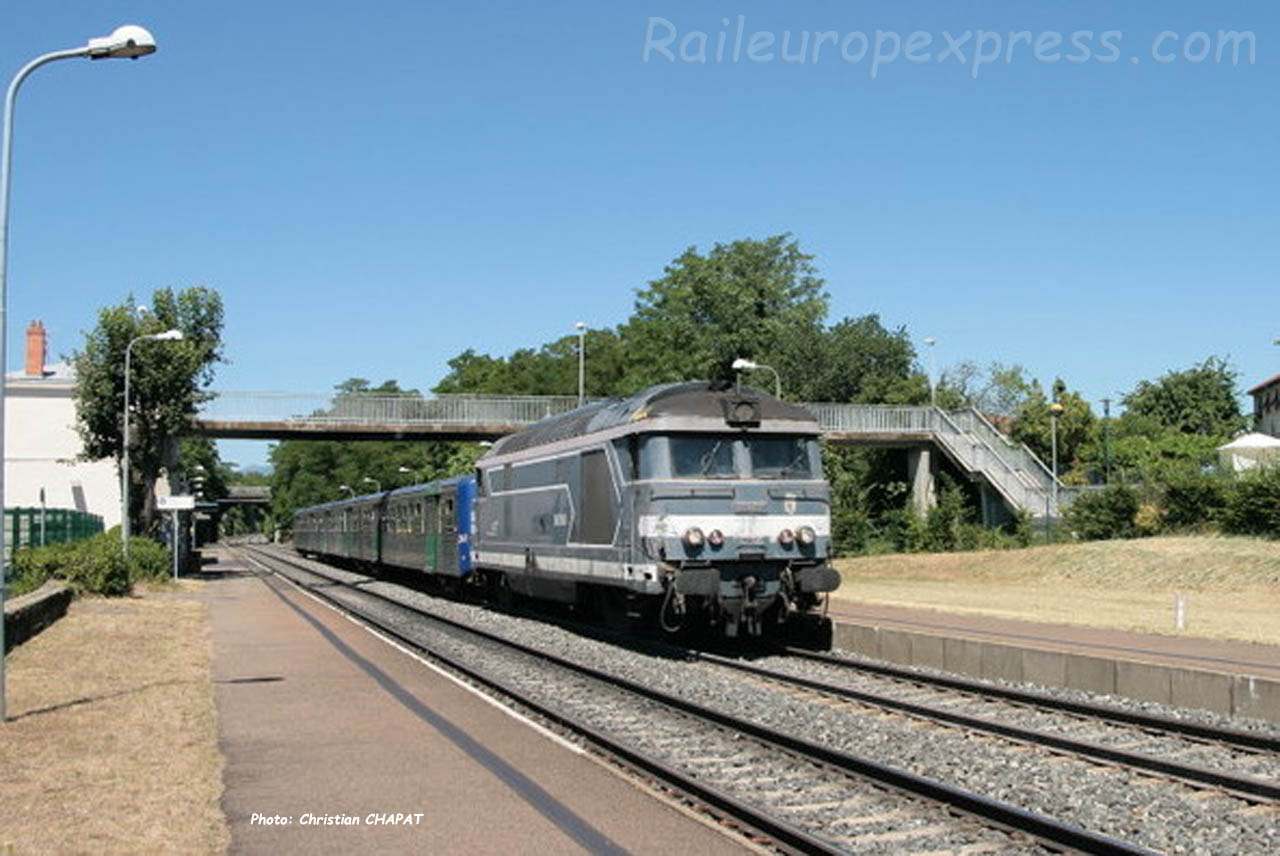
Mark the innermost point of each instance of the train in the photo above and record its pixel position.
(689, 507)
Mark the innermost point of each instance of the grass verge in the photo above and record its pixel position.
(1231, 585)
(111, 744)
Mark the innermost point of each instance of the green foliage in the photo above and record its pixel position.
(168, 382)
(1099, 515)
(999, 390)
(1253, 505)
(751, 298)
(1076, 425)
(1193, 501)
(944, 523)
(1160, 455)
(94, 565)
(32, 566)
(854, 360)
(1199, 400)
(149, 561)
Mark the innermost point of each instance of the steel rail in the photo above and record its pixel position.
(1231, 736)
(791, 837)
(1241, 785)
(1002, 815)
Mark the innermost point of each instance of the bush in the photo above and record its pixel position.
(148, 560)
(97, 565)
(1253, 505)
(33, 566)
(94, 565)
(1193, 502)
(1104, 514)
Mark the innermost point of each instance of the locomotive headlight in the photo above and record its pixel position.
(786, 537)
(715, 538)
(806, 536)
(693, 537)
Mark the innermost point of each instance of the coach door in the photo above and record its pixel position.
(431, 525)
(448, 536)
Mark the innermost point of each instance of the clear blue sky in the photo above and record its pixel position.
(375, 187)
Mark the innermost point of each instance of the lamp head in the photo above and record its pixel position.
(580, 325)
(127, 42)
(743, 363)
(168, 336)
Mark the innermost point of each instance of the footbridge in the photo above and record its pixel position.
(1007, 473)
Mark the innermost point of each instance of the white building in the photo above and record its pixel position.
(41, 443)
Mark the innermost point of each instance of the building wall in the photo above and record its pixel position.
(41, 445)
(1266, 409)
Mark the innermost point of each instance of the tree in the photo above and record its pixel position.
(1076, 426)
(856, 360)
(169, 381)
(1199, 400)
(751, 298)
(999, 390)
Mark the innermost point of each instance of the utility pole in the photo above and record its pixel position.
(1106, 441)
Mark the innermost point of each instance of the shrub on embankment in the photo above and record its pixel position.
(95, 565)
(1202, 503)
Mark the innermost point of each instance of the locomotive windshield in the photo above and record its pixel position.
(729, 456)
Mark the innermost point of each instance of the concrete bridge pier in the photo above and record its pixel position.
(920, 470)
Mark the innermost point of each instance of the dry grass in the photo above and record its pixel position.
(1232, 585)
(111, 745)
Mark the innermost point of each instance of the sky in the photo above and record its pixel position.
(375, 187)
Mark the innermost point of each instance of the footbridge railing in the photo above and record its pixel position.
(965, 435)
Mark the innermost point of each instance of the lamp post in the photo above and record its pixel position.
(377, 485)
(582, 361)
(127, 42)
(410, 471)
(166, 336)
(742, 363)
(933, 389)
(1055, 410)
(348, 489)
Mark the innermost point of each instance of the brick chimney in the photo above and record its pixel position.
(37, 347)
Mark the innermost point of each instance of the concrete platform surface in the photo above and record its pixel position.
(321, 723)
(1233, 678)
(1219, 655)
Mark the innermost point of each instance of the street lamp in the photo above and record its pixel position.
(131, 42)
(582, 361)
(742, 363)
(410, 471)
(377, 485)
(348, 489)
(1055, 410)
(166, 336)
(933, 389)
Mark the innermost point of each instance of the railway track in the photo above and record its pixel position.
(1143, 743)
(800, 795)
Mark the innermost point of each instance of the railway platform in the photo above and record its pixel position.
(1237, 678)
(335, 742)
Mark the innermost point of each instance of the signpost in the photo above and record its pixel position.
(175, 504)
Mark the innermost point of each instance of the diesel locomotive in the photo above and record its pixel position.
(687, 505)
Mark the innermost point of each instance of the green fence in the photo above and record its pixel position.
(35, 527)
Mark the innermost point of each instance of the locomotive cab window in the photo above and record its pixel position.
(784, 457)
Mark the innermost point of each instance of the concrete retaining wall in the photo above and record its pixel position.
(27, 615)
(1220, 692)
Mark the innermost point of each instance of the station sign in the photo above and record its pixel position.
(175, 503)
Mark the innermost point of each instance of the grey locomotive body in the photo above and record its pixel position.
(702, 505)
